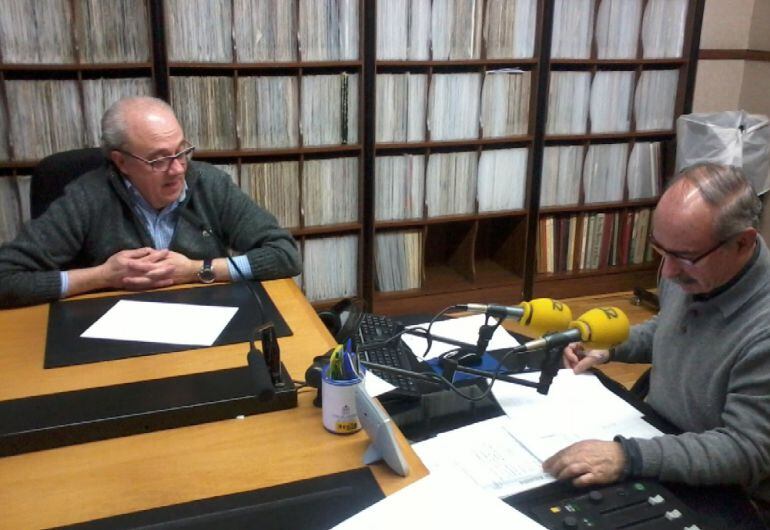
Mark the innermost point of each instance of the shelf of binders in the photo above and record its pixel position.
(596, 202)
(454, 130)
(618, 78)
(317, 197)
(61, 64)
(273, 95)
(447, 261)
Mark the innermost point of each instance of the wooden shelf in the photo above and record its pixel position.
(296, 65)
(444, 286)
(287, 152)
(595, 281)
(479, 257)
(325, 230)
(499, 142)
(599, 206)
(465, 63)
(74, 67)
(631, 64)
(610, 137)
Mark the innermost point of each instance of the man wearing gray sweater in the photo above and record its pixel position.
(128, 225)
(709, 346)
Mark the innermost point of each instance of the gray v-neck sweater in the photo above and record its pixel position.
(711, 378)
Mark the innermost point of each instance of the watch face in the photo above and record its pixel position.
(206, 274)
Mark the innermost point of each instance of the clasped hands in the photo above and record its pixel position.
(147, 268)
(587, 462)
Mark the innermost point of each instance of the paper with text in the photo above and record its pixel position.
(577, 407)
(187, 324)
(488, 454)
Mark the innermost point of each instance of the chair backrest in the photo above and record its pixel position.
(54, 172)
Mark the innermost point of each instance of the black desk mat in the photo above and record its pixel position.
(67, 320)
(313, 504)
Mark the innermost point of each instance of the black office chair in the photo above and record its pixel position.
(54, 172)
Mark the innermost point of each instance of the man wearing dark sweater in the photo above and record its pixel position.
(123, 227)
(709, 346)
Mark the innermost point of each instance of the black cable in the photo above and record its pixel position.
(494, 376)
(428, 336)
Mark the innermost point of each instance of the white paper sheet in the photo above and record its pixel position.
(577, 407)
(375, 385)
(187, 324)
(464, 329)
(488, 454)
(440, 500)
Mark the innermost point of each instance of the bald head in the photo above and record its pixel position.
(723, 190)
(705, 227)
(130, 115)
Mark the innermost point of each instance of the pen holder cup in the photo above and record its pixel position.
(339, 404)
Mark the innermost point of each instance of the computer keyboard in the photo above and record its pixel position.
(374, 330)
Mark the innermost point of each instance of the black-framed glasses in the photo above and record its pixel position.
(688, 262)
(163, 163)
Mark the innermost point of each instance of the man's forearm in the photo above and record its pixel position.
(81, 281)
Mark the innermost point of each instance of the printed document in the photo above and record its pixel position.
(488, 454)
(577, 407)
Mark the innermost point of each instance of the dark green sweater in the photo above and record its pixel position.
(93, 220)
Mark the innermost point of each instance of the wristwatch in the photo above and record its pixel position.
(206, 273)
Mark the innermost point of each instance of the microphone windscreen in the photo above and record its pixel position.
(545, 315)
(263, 385)
(602, 327)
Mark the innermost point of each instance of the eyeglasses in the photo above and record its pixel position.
(687, 262)
(163, 163)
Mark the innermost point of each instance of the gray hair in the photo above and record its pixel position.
(726, 188)
(114, 127)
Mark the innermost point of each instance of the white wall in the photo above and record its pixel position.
(735, 84)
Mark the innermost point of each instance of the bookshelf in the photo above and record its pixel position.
(274, 97)
(61, 63)
(415, 148)
(465, 161)
(619, 75)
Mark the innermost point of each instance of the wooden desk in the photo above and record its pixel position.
(100, 479)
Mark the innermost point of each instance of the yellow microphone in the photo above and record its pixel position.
(602, 327)
(599, 328)
(543, 315)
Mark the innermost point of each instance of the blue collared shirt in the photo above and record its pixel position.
(161, 226)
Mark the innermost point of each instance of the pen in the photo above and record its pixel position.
(335, 364)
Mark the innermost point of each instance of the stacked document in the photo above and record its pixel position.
(14, 205)
(577, 407)
(504, 455)
(399, 187)
(573, 29)
(319, 204)
(486, 453)
(325, 278)
(275, 187)
(403, 30)
(204, 107)
(663, 28)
